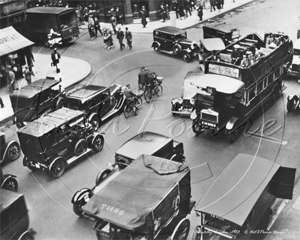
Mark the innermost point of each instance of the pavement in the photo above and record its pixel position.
(75, 70)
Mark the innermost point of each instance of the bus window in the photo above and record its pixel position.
(260, 86)
(251, 93)
(270, 78)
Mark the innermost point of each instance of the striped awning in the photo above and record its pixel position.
(11, 41)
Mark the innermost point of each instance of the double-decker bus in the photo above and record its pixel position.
(12, 12)
(231, 91)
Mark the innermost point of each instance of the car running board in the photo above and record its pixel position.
(72, 159)
(109, 114)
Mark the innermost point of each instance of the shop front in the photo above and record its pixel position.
(15, 52)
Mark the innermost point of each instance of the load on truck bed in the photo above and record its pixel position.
(149, 197)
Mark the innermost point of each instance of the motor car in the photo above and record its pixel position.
(185, 104)
(98, 102)
(221, 31)
(9, 150)
(14, 217)
(173, 41)
(55, 140)
(240, 200)
(41, 20)
(230, 94)
(151, 205)
(8, 181)
(36, 99)
(294, 68)
(149, 143)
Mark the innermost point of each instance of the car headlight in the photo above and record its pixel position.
(192, 101)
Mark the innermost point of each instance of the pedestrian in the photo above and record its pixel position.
(1, 103)
(97, 27)
(85, 13)
(78, 14)
(212, 5)
(120, 37)
(113, 22)
(91, 28)
(11, 80)
(222, 3)
(187, 7)
(27, 74)
(176, 9)
(167, 11)
(110, 42)
(143, 16)
(162, 12)
(128, 37)
(200, 12)
(218, 4)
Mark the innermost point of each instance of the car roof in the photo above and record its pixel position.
(50, 121)
(137, 197)
(49, 10)
(234, 193)
(85, 92)
(35, 88)
(221, 27)
(143, 143)
(7, 198)
(222, 84)
(171, 30)
(212, 44)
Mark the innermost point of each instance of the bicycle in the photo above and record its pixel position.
(156, 91)
(129, 107)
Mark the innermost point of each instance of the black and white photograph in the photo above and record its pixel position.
(149, 119)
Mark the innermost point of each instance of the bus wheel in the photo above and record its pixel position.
(197, 126)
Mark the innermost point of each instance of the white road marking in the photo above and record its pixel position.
(146, 118)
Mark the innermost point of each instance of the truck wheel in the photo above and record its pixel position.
(95, 122)
(11, 184)
(77, 208)
(97, 143)
(196, 233)
(102, 175)
(58, 167)
(182, 229)
(187, 57)
(232, 135)
(80, 147)
(13, 152)
(197, 126)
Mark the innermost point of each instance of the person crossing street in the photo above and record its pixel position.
(120, 37)
(128, 37)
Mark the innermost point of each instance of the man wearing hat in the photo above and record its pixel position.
(142, 77)
(236, 55)
(129, 97)
(245, 61)
(11, 79)
(27, 74)
(120, 37)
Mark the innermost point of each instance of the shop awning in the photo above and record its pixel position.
(11, 41)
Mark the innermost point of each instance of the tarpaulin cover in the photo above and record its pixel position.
(234, 193)
(11, 41)
(129, 200)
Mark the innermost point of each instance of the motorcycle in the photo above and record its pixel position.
(293, 103)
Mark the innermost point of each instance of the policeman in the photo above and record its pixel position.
(142, 77)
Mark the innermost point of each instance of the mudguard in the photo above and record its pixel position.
(177, 46)
(82, 193)
(231, 123)
(6, 177)
(193, 115)
(91, 116)
(8, 145)
(154, 43)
